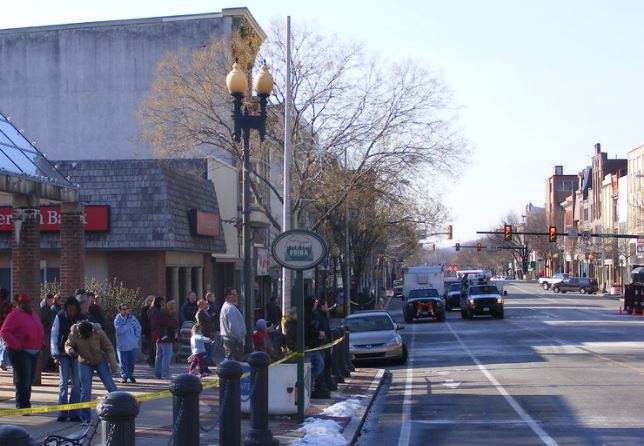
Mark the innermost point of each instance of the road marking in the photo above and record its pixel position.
(405, 426)
(473, 422)
(451, 384)
(543, 436)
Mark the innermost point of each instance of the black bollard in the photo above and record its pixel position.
(347, 351)
(185, 409)
(328, 370)
(229, 403)
(14, 436)
(344, 366)
(337, 357)
(259, 433)
(117, 411)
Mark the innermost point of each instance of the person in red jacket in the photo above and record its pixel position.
(163, 326)
(23, 334)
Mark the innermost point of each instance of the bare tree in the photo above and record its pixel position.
(391, 119)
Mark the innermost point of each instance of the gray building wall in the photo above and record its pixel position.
(75, 88)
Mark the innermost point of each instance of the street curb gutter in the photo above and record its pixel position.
(351, 431)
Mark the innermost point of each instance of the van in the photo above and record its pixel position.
(422, 277)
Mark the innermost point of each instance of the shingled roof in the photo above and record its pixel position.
(149, 202)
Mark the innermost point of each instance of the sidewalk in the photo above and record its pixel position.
(154, 422)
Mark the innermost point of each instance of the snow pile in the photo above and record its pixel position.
(346, 408)
(322, 432)
(318, 432)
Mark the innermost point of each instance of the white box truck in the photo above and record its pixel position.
(419, 277)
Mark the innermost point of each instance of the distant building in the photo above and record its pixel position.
(75, 89)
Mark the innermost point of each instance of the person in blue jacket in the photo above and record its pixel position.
(128, 334)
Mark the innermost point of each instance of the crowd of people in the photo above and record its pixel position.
(83, 343)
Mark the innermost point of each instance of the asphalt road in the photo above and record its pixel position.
(560, 369)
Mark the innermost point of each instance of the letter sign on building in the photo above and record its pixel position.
(96, 218)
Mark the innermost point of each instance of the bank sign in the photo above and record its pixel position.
(96, 218)
(298, 249)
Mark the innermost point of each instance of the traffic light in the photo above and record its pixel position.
(458, 246)
(507, 232)
(552, 234)
(478, 246)
(449, 232)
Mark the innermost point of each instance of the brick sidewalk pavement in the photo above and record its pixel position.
(154, 422)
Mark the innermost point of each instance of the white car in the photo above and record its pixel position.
(373, 335)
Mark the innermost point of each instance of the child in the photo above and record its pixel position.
(267, 339)
(198, 349)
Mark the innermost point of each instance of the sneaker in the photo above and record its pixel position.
(124, 380)
(132, 380)
(3, 367)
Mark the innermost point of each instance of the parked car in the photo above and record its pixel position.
(374, 335)
(547, 282)
(482, 299)
(398, 289)
(424, 302)
(453, 299)
(581, 285)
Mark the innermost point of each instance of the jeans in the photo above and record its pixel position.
(127, 359)
(86, 374)
(24, 369)
(4, 354)
(317, 365)
(68, 369)
(162, 360)
(209, 350)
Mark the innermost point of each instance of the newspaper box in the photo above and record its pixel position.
(282, 388)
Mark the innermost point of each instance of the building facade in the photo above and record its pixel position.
(80, 104)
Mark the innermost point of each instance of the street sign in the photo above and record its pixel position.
(573, 233)
(298, 249)
(585, 235)
(640, 247)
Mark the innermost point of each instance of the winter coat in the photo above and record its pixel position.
(93, 350)
(207, 324)
(60, 331)
(128, 332)
(162, 326)
(22, 330)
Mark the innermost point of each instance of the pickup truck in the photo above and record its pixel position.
(547, 282)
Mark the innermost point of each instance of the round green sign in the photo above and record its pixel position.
(298, 249)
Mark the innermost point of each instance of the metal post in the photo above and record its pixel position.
(246, 270)
(229, 403)
(347, 352)
(185, 409)
(342, 355)
(347, 257)
(337, 356)
(259, 433)
(299, 302)
(117, 411)
(328, 370)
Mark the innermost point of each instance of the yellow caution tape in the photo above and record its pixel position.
(147, 396)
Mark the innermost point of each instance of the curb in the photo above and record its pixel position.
(351, 431)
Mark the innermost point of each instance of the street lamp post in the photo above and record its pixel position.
(243, 123)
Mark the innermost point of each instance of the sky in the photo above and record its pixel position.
(536, 84)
